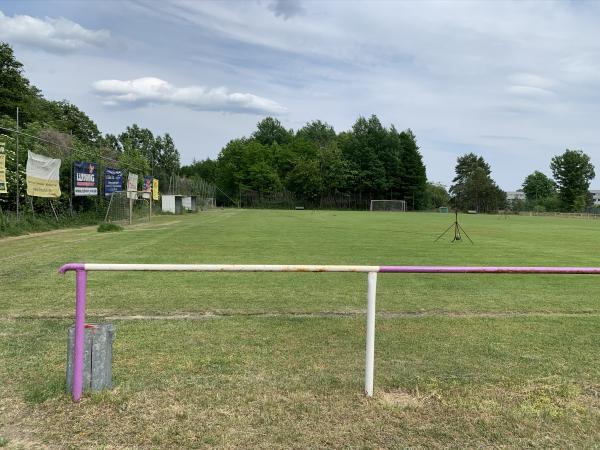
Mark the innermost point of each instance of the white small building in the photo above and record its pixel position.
(172, 203)
(515, 195)
(189, 203)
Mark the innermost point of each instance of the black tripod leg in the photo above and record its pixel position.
(447, 229)
(465, 233)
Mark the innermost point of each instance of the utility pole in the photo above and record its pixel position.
(17, 163)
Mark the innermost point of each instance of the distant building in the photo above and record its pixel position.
(595, 197)
(517, 195)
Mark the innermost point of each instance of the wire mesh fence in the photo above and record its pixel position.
(129, 207)
(285, 199)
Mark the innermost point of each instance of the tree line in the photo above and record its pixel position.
(474, 189)
(568, 191)
(370, 160)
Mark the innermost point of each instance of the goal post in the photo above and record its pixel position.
(388, 205)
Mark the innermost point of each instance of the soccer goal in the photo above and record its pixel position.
(388, 205)
(129, 207)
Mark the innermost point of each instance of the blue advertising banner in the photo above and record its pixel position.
(113, 181)
(85, 177)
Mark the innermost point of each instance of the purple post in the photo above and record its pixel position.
(80, 293)
(77, 382)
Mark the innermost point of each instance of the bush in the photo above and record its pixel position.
(107, 227)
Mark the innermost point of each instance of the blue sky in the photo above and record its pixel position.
(517, 82)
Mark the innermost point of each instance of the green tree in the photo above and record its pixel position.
(69, 119)
(413, 175)
(336, 173)
(573, 172)
(141, 140)
(205, 169)
(167, 156)
(538, 186)
(362, 147)
(473, 187)
(436, 195)
(466, 165)
(270, 131)
(305, 179)
(15, 89)
(246, 163)
(319, 133)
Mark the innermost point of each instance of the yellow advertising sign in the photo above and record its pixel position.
(3, 187)
(42, 176)
(155, 189)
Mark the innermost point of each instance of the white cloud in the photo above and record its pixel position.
(56, 35)
(528, 91)
(531, 80)
(150, 90)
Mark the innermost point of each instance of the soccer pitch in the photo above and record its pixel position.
(277, 359)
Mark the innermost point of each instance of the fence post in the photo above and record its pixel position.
(370, 351)
(78, 350)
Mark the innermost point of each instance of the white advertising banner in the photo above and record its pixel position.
(42, 176)
(132, 185)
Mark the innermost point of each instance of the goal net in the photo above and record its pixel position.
(128, 207)
(388, 205)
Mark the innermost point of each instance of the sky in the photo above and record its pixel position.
(514, 81)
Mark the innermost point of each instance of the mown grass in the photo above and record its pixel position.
(461, 361)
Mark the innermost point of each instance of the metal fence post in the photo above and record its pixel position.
(77, 384)
(370, 351)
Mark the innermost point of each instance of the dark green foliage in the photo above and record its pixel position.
(270, 131)
(15, 90)
(411, 170)
(69, 119)
(368, 162)
(473, 188)
(538, 186)
(108, 227)
(436, 195)
(573, 172)
(205, 169)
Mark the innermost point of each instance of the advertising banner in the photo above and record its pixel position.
(85, 178)
(42, 176)
(3, 188)
(155, 189)
(147, 187)
(147, 184)
(132, 184)
(113, 181)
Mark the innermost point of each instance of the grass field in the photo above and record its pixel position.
(277, 360)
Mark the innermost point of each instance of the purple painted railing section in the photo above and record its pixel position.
(71, 266)
(469, 269)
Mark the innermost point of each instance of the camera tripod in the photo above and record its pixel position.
(457, 230)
